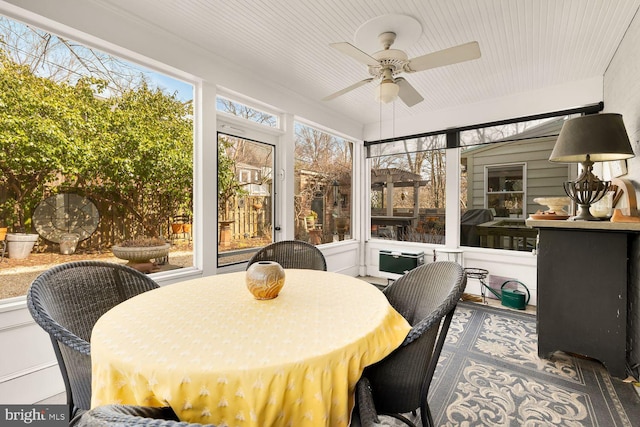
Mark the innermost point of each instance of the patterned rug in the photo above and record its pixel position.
(489, 374)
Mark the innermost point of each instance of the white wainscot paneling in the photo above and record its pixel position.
(342, 257)
(515, 265)
(520, 266)
(28, 369)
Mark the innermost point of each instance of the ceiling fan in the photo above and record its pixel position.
(387, 64)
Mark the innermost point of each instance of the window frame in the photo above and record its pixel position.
(523, 192)
(354, 203)
(125, 54)
(439, 146)
(274, 195)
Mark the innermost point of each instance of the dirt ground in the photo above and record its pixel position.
(17, 274)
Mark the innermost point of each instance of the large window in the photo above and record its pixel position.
(408, 190)
(504, 169)
(245, 197)
(323, 186)
(86, 129)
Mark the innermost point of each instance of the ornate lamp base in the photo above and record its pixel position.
(584, 193)
(584, 214)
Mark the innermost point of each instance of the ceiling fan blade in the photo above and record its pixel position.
(347, 89)
(408, 94)
(355, 53)
(452, 55)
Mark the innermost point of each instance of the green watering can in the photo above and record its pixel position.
(512, 298)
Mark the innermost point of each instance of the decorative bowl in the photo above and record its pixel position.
(140, 254)
(555, 204)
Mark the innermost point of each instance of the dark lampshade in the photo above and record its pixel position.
(588, 139)
(602, 136)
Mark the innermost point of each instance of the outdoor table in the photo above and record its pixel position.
(216, 355)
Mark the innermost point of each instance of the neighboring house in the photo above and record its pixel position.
(506, 176)
(256, 179)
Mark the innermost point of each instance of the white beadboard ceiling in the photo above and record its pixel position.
(526, 45)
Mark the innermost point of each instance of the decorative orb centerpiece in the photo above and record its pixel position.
(265, 279)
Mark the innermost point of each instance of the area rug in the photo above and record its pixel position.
(489, 374)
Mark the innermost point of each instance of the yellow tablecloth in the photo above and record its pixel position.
(216, 355)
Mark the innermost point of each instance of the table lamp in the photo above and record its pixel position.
(588, 139)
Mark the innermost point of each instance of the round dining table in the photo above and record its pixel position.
(216, 355)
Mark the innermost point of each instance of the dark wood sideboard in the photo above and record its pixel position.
(583, 278)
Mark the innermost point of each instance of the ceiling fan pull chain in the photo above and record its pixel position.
(380, 121)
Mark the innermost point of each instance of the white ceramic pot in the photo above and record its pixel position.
(20, 245)
(265, 279)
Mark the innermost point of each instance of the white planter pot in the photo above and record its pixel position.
(20, 245)
(68, 243)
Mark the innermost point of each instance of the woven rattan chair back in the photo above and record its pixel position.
(66, 301)
(130, 415)
(427, 297)
(292, 254)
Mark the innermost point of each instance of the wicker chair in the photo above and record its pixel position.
(292, 254)
(427, 297)
(364, 412)
(66, 301)
(129, 415)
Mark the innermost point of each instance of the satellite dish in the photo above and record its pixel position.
(65, 213)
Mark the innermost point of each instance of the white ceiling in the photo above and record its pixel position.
(526, 45)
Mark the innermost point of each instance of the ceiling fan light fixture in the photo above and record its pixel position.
(387, 91)
(402, 32)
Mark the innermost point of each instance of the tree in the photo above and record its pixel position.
(144, 161)
(64, 61)
(43, 127)
(240, 110)
(320, 160)
(133, 151)
(78, 120)
(228, 184)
